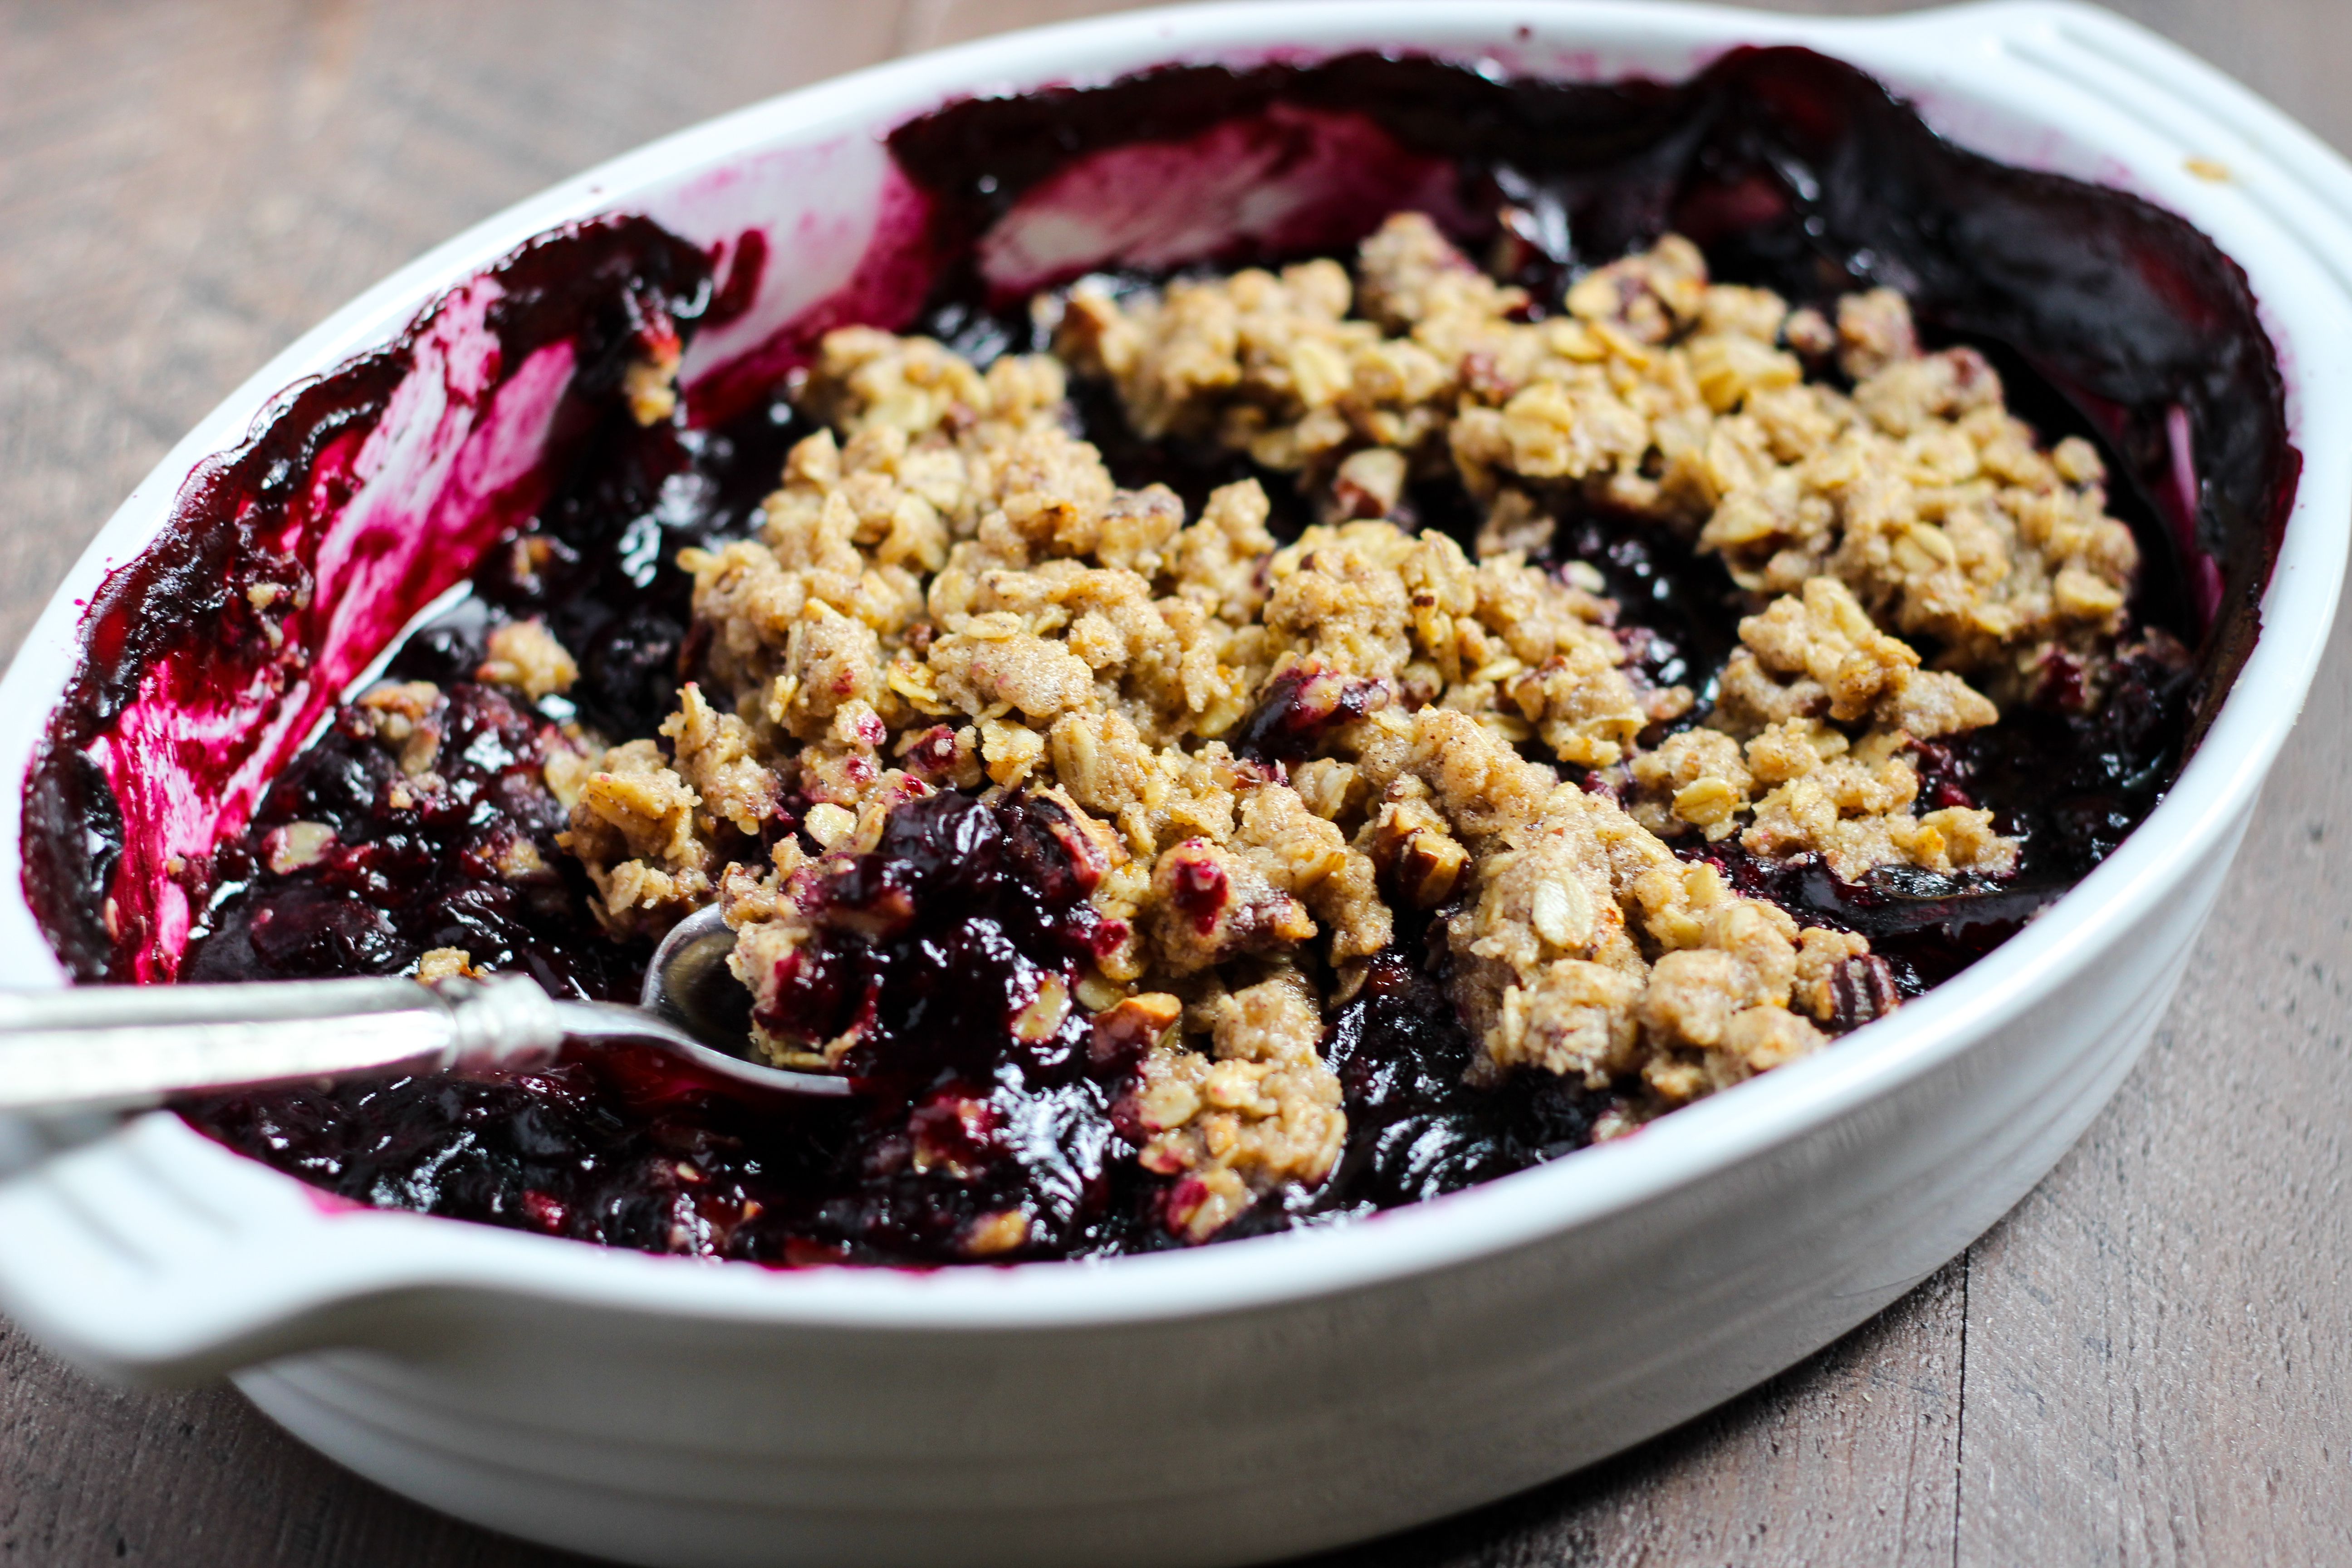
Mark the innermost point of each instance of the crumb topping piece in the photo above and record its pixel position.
(1805, 752)
(526, 655)
(446, 963)
(1256, 1110)
(633, 829)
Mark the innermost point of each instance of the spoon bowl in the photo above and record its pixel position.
(689, 984)
(691, 999)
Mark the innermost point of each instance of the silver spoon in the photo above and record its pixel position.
(118, 1048)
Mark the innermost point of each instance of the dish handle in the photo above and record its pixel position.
(155, 1257)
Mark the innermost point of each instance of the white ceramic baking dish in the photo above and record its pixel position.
(1280, 1395)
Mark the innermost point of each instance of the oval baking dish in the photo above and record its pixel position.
(1230, 1404)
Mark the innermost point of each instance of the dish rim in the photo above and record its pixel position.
(2197, 817)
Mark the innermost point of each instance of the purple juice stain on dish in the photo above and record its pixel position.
(2104, 315)
(1286, 181)
(746, 268)
(899, 266)
(289, 562)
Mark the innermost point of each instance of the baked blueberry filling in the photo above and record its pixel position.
(1194, 799)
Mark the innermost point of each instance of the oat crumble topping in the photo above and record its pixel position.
(1268, 756)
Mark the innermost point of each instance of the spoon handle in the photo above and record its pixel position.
(114, 1048)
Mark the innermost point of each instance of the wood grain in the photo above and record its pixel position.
(2149, 1362)
(2159, 1340)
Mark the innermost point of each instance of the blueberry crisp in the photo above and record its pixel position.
(1296, 741)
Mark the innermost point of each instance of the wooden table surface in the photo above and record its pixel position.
(2150, 1360)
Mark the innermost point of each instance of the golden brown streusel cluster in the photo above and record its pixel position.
(949, 591)
(1658, 394)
